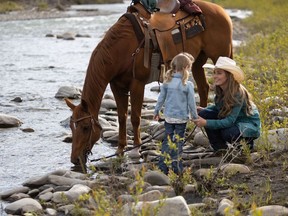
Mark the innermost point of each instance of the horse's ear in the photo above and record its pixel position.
(69, 103)
(84, 105)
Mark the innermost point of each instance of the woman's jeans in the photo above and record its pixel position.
(175, 132)
(218, 138)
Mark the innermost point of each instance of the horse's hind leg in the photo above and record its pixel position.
(200, 78)
(121, 98)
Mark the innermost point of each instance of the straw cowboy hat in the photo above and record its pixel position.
(229, 65)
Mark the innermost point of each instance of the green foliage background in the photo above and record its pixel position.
(263, 56)
(13, 5)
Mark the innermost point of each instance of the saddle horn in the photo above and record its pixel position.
(168, 6)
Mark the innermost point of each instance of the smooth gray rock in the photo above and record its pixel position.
(166, 190)
(203, 172)
(170, 206)
(156, 178)
(36, 181)
(61, 180)
(75, 175)
(42, 180)
(17, 196)
(109, 133)
(204, 162)
(158, 132)
(67, 36)
(103, 122)
(275, 210)
(68, 92)
(201, 140)
(72, 195)
(4, 195)
(46, 196)
(7, 121)
(50, 211)
(223, 207)
(190, 156)
(278, 138)
(22, 206)
(66, 209)
(233, 168)
(148, 196)
(34, 192)
(108, 104)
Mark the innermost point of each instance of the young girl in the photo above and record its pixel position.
(234, 117)
(178, 97)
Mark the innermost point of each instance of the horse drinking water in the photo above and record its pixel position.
(120, 60)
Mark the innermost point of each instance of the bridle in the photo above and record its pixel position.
(94, 122)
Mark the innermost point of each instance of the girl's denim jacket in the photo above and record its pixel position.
(179, 99)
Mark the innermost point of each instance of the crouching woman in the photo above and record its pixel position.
(233, 117)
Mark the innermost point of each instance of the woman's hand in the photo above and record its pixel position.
(199, 109)
(200, 122)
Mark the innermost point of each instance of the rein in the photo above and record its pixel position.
(98, 159)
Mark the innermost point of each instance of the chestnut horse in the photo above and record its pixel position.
(113, 61)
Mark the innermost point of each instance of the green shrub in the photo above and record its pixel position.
(42, 5)
(7, 6)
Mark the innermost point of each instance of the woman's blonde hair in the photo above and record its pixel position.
(181, 63)
(233, 95)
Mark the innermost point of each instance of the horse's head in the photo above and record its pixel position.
(85, 131)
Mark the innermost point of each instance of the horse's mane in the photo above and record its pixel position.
(102, 60)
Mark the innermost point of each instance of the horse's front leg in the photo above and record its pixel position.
(136, 100)
(121, 98)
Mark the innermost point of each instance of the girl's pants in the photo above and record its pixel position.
(175, 132)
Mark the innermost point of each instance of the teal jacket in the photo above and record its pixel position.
(249, 126)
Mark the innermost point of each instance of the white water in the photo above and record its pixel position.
(34, 67)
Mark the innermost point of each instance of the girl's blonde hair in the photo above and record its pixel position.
(181, 63)
(228, 96)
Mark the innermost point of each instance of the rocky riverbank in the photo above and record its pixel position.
(212, 183)
(30, 9)
(33, 13)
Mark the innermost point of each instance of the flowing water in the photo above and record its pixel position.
(33, 67)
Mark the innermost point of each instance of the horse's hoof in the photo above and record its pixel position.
(134, 153)
(119, 152)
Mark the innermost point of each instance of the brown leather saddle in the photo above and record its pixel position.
(164, 21)
(164, 31)
(173, 29)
